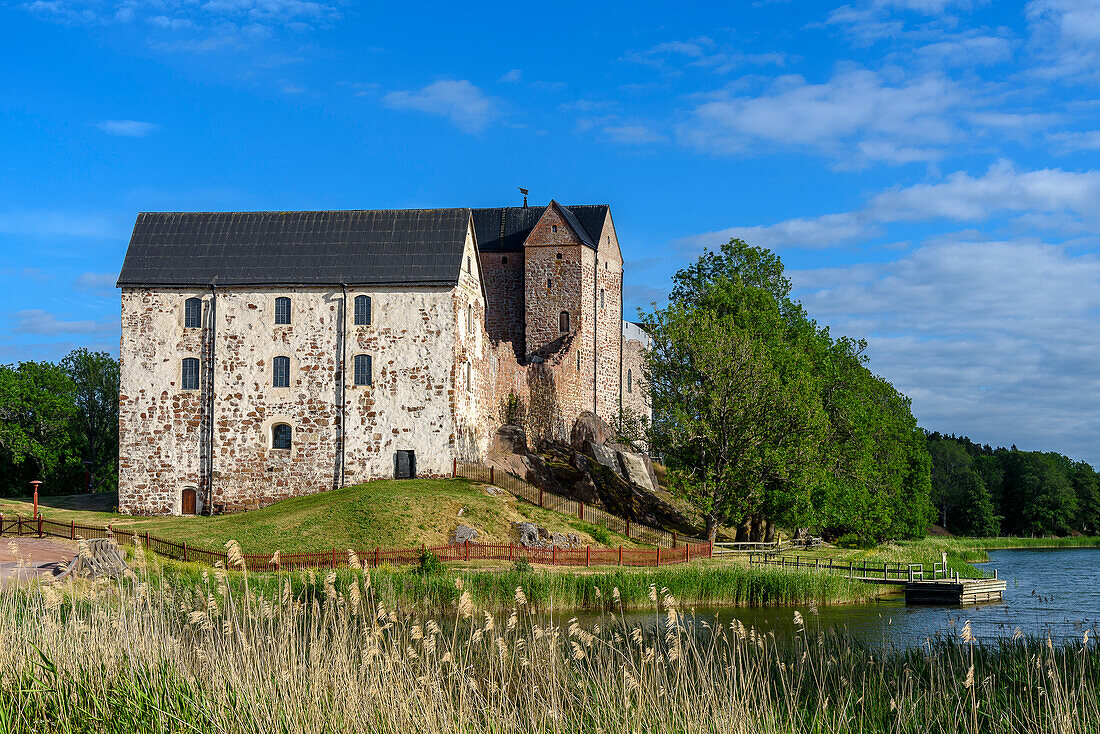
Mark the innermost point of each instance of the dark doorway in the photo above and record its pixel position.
(406, 465)
(189, 501)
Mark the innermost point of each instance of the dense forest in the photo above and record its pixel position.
(980, 490)
(59, 424)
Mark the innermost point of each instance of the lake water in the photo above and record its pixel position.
(1050, 592)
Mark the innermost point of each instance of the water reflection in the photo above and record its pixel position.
(1055, 593)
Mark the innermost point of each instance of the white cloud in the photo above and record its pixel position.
(43, 323)
(829, 230)
(47, 223)
(1049, 198)
(1066, 35)
(965, 198)
(1074, 141)
(461, 102)
(995, 339)
(855, 117)
(512, 76)
(705, 53)
(95, 281)
(127, 128)
(632, 134)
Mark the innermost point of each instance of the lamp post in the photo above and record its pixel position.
(35, 484)
(87, 475)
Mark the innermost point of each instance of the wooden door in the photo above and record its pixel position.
(406, 465)
(189, 501)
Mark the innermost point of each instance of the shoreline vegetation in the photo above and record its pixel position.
(324, 652)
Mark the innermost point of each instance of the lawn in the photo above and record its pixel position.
(390, 513)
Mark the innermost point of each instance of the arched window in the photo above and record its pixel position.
(553, 228)
(469, 377)
(280, 372)
(192, 313)
(578, 360)
(470, 318)
(629, 381)
(282, 310)
(362, 310)
(190, 375)
(563, 322)
(549, 283)
(280, 436)
(363, 374)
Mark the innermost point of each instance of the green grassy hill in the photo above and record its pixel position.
(393, 513)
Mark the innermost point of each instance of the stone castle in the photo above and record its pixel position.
(267, 355)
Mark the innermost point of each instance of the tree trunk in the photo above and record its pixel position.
(769, 531)
(712, 528)
(743, 530)
(756, 529)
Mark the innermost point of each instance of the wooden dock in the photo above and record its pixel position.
(923, 585)
(955, 592)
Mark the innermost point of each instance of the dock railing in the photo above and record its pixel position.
(883, 572)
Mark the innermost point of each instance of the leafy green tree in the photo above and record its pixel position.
(95, 379)
(951, 470)
(37, 409)
(1086, 486)
(736, 412)
(976, 515)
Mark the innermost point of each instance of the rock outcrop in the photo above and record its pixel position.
(462, 534)
(529, 535)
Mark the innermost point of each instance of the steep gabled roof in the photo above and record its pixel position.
(505, 229)
(378, 247)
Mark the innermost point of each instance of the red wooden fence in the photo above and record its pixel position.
(370, 557)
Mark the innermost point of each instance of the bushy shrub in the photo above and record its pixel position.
(521, 565)
(851, 540)
(430, 564)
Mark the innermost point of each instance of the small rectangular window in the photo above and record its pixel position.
(282, 310)
(190, 374)
(362, 369)
(280, 436)
(192, 313)
(362, 310)
(280, 372)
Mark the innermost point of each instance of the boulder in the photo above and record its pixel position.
(510, 440)
(464, 533)
(635, 470)
(590, 428)
(605, 456)
(527, 534)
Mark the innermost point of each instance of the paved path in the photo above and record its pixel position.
(40, 556)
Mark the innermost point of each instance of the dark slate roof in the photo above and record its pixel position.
(505, 229)
(381, 247)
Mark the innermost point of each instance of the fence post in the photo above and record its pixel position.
(657, 550)
(334, 558)
(492, 475)
(110, 532)
(628, 527)
(40, 525)
(377, 557)
(540, 498)
(146, 538)
(710, 553)
(72, 531)
(466, 547)
(1, 525)
(580, 510)
(554, 555)
(454, 468)
(511, 550)
(588, 555)
(673, 538)
(620, 555)
(185, 551)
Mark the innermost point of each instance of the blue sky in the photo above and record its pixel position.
(929, 170)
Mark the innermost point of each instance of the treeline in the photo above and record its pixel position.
(54, 417)
(979, 490)
(764, 419)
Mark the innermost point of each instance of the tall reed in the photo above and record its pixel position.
(321, 652)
